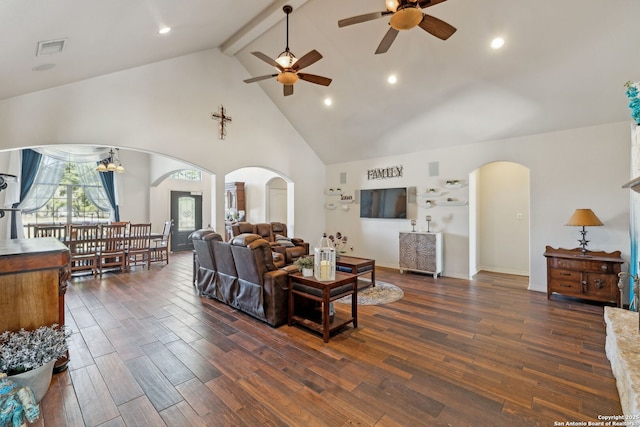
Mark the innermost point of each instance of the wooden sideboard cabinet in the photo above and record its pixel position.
(421, 252)
(592, 276)
(34, 277)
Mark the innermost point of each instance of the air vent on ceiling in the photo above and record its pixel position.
(50, 46)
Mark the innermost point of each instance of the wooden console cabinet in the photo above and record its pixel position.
(592, 276)
(34, 276)
(421, 252)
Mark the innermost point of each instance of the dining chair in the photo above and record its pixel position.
(112, 247)
(82, 241)
(59, 231)
(139, 245)
(160, 247)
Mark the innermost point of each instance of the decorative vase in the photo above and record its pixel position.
(307, 272)
(37, 379)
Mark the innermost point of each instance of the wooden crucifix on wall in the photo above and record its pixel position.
(222, 117)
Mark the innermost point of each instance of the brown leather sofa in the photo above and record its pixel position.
(276, 234)
(242, 274)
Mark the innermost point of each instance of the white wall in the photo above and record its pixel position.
(165, 108)
(133, 187)
(568, 169)
(503, 218)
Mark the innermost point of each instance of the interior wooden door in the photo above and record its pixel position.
(186, 213)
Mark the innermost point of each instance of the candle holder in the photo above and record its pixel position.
(324, 260)
(413, 225)
(428, 219)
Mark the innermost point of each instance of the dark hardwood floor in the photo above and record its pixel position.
(148, 351)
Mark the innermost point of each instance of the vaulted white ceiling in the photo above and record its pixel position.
(563, 65)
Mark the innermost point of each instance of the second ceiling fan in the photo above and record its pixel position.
(405, 14)
(289, 66)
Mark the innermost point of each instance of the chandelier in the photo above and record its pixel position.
(111, 164)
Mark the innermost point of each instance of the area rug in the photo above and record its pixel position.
(381, 293)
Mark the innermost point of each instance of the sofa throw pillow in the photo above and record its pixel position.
(284, 241)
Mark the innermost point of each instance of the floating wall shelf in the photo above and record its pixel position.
(452, 202)
(453, 184)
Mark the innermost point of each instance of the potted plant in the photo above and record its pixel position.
(305, 264)
(27, 357)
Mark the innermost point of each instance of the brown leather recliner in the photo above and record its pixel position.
(242, 227)
(242, 274)
(206, 279)
(264, 230)
(291, 253)
(290, 248)
(279, 228)
(263, 287)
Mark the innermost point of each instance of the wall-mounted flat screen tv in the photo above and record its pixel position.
(383, 203)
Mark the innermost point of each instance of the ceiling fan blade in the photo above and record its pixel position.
(435, 26)
(308, 59)
(268, 60)
(362, 18)
(429, 3)
(387, 40)
(288, 90)
(257, 79)
(319, 80)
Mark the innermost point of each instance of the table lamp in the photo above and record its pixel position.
(584, 218)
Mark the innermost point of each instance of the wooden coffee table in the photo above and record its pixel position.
(357, 266)
(323, 293)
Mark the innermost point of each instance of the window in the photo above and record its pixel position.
(188, 175)
(186, 210)
(77, 197)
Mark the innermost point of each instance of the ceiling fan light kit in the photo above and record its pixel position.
(288, 66)
(406, 18)
(405, 14)
(287, 78)
(286, 59)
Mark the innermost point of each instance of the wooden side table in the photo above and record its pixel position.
(358, 266)
(323, 292)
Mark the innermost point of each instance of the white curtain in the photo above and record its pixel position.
(50, 173)
(75, 153)
(46, 183)
(93, 186)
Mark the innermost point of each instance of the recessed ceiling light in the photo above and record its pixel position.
(164, 30)
(497, 43)
(392, 79)
(328, 102)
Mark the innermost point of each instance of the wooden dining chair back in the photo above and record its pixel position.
(112, 248)
(59, 231)
(82, 241)
(139, 245)
(160, 247)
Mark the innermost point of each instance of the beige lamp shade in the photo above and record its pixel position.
(584, 218)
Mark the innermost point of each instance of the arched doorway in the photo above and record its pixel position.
(268, 195)
(499, 218)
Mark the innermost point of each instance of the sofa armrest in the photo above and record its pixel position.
(290, 269)
(299, 242)
(276, 296)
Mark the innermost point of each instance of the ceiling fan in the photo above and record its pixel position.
(289, 66)
(405, 14)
